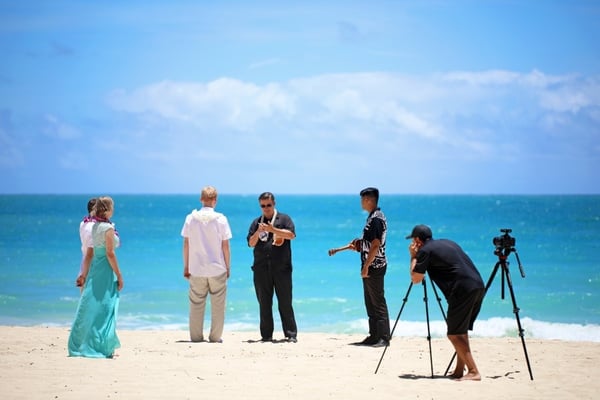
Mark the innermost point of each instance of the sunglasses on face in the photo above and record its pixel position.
(266, 205)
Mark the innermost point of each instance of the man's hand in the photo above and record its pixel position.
(337, 250)
(364, 272)
(413, 249)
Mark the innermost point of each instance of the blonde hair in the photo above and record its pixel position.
(103, 206)
(208, 193)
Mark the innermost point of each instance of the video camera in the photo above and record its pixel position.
(504, 242)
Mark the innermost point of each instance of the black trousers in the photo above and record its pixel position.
(377, 310)
(269, 279)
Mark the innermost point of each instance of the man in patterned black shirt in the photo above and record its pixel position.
(373, 267)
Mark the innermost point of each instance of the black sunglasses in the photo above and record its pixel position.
(266, 205)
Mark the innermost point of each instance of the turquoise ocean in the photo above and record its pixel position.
(557, 241)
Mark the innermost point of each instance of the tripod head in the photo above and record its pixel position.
(505, 244)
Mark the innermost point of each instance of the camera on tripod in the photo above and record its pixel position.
(504, 242)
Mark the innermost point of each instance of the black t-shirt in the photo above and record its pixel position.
(449, 267)
(264, 251)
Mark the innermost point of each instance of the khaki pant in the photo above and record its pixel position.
(200, 287)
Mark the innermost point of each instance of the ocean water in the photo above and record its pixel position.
(557, 241)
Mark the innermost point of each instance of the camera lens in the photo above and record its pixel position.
(263, 236)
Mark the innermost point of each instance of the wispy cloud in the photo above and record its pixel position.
(223, 102)
(436, 107)
(58, 129)
(454, 124)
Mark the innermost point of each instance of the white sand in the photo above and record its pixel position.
(163, 365)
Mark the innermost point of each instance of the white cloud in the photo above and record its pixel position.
(484, 78)
(562, 93)
(427, 106)
(55, 128)
(461, 123)
(572, 96)
(569, 101)
(225, 101)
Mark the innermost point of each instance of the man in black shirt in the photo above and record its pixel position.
(457, 277)
(373, 267)
(270, 236)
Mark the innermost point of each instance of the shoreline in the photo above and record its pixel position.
(494, 327)
(164, 364)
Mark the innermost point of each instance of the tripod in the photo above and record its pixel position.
(425, 299)
(503, 253)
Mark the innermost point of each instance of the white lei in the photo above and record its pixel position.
(262, 221)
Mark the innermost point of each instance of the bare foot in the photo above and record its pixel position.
(471, 376)
(456, 374)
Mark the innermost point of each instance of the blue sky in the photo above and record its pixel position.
(435, 97)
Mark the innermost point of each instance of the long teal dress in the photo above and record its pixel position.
(93, 333)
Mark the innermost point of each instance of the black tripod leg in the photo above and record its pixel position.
(516, 311)
(439, 301)
(438, 298)
(493, 274)
(404, 300)
(428, 329)
(450, 364)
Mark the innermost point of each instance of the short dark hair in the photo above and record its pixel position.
(370, 192)
(266, 196)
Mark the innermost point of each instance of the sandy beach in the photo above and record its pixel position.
(163, 364)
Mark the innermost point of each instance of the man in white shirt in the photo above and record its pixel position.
(206, 263)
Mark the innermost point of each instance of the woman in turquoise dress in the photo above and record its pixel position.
(93, 333)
